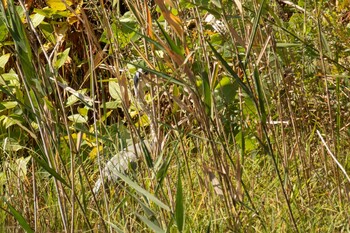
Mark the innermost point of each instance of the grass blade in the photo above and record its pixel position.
(18, 216)
(51, 171)
(179, 206)
(232, 72)
(141, 190)
(253, 33)
(150, 224)
(171, 43)
(260, 96)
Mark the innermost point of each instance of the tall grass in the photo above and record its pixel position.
(247, 111)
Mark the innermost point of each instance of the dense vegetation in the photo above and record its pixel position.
(249, 101)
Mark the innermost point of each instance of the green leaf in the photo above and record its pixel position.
(37, 19)
(51, 171)
(18, 216)
(9, 77)
(150, 224)
(143, 121)
(148, 39)
(159, 74)
(4, 59)
(115, 227)
(171, 43)
(48, 31)
(206, 91)
(232, 72)
(11, 144)
(227, 88)
(287, 45)
(114, 90)
(161, 173)
(77, 118)
(3, 30)
(179, 205)
(254, 30)
(260, 96)
(147, 155)
(7, 105)
(83, 111)
(22, 46)
(61, 58)
(113, 104)
(72, 99)
(141, 190)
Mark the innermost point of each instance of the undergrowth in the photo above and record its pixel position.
(245, 103)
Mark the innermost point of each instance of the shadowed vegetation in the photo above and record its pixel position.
(245, 103)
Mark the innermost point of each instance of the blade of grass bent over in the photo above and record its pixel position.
(18, 216)
(234, 75)
(141, 190)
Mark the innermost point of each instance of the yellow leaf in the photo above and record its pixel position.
(143, 121)
(74, 17)
(93, 152)
(59, 5)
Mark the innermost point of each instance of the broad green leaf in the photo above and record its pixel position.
(72, 99)
(37, 19)
(105, 116)
(7, 105)
(22, 47)
(248, 142)
(77, 118)
(223, 82)
(61, 58)
(148, 39)
(7, 121)
(11, 144)
(4, 59)
(227, 88)
(83, 111)
(48, 30)
(9, 80)
(114, 90)
(15, 119)
(113, 104)
(46, 12)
